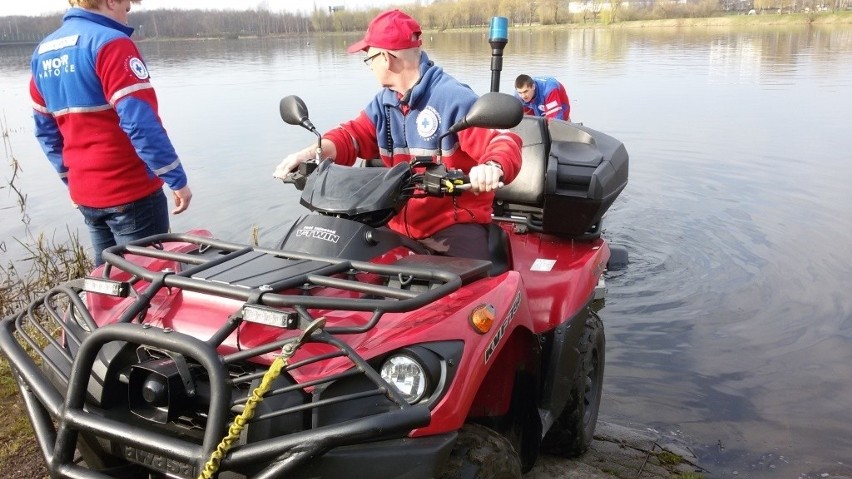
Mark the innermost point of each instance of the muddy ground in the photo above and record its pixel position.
(616, 453)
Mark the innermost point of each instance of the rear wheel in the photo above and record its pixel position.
(482, 453)
(573, 431)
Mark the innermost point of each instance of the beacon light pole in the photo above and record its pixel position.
(498, 37)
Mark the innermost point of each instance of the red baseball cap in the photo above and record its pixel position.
(390, 30)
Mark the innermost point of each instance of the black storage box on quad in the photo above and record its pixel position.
(586, 171)
(569, 177)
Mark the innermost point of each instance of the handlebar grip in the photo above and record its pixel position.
(467, 186)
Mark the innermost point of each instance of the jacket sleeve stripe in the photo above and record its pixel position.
(501, 137)
(81, 109)
(118, 95)
(40, 109)
(171, 166)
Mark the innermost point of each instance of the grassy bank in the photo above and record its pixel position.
(44, 263)
(47, 265)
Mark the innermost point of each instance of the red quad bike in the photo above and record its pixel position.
(346, 350)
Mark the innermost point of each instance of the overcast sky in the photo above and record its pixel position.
(39, 7)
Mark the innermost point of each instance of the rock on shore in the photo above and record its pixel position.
(621, 452)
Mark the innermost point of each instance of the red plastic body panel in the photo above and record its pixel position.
(550, 281)
(559, 274)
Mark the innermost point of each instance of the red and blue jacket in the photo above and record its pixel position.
(397, 128)
(550, 100)
(96, 113)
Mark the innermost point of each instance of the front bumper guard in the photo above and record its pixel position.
(58, 418)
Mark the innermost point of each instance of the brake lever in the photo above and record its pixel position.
(296, 179)
(299, 177)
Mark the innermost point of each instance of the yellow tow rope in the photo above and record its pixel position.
(240, 421)
(212, 465)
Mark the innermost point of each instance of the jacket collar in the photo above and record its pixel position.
(427, 71)
(97, 18)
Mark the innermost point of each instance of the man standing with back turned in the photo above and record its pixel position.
(418, 103)
(96, 119)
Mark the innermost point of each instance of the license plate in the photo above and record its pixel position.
(167, 465)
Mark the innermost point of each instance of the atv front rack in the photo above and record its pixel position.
(254, 274)
(77, 382)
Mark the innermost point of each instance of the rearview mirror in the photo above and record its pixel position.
(294, 111)
(492, 110)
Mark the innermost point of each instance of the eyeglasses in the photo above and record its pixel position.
(369, 60)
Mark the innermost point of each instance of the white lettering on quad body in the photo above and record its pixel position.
(315, 232)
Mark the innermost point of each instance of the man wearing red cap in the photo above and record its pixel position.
(418, 103)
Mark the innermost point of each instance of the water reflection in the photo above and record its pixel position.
(732, 325)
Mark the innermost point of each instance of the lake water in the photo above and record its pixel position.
(732, 326)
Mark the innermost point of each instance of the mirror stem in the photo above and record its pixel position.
(318, 153)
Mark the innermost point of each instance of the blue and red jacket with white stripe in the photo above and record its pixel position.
(96, 113)
(397, 128)
(550, 100)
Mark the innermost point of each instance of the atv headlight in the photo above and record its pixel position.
(406, 375)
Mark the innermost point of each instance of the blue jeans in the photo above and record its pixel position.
(124, 223)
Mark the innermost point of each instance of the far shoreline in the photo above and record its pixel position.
(830, 19)
(736, 20)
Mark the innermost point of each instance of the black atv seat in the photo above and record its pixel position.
(528, 187)
(498, 249)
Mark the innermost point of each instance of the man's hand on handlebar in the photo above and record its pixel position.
(298, 177)
(291, 162)
(485, 177)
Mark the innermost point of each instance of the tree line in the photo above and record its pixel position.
(434, 15)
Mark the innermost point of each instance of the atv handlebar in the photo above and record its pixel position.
(439, 181)
(435, 179)
(467, 186)
(299, 177)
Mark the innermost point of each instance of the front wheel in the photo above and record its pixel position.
(482, 453)
(573, 431)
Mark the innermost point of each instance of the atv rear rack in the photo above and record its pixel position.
(75, 376)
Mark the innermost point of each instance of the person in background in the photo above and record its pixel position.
(417, 104)
(96, 119)
(543, 96)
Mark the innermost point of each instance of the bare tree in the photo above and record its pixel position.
(513, 9)
(615, 9)
(549, 11)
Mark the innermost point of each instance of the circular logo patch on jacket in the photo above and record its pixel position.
(138, 68)
(427, 123)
